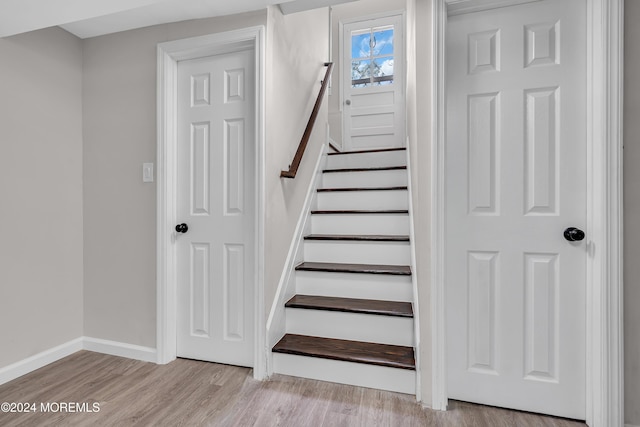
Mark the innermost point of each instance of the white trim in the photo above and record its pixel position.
(605, 394)
(388, 14)
(120, 349)
(260, 358)
(37, 361)
(402, 15)
(169, 54)
(414, 282)
(605, 373)
(276, 326)
(341, 372)
(438, 108)
(460, 7)
(630, 425)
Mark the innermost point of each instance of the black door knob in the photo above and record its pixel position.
(573, 234)
(182, 228)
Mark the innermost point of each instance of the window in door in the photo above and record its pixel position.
(372, 57)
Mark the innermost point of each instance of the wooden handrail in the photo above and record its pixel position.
(295, 164)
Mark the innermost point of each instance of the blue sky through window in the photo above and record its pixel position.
(372, 56)
(383, 43)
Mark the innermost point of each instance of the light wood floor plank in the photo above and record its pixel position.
(193, 393)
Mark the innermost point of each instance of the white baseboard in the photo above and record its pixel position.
(37, 361)
(114, 348)
(630, 425)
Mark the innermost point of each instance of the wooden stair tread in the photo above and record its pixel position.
(382, 168)
(402, 270)
(359, 238)
(393, 356)
(357, 212)
(323, 190)
(377, 150)
(351, 305)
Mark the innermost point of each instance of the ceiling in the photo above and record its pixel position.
(90, 18)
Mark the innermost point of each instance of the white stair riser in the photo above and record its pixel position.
(389, 178)
(337, 371)
(349, 285)
(367, 160)
(397, 224)
(355, 200)
(351, 326)
(351, 252)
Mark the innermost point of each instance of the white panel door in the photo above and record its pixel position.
(216, 198)
(373, 84)
(516, 179)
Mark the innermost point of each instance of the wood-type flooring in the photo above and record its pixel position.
(193, 393)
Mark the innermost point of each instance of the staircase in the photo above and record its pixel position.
(351, 320)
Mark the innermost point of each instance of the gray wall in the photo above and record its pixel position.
(119, 108)
(120, 134)
(40, 192)
(632, 212)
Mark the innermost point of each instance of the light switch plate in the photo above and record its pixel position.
(147, 172)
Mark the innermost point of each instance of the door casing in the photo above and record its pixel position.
(169, 54)
(344, 67)
(605, 32)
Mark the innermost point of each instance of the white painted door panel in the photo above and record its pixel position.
(516, 178)
(216, 201)
(373, 84)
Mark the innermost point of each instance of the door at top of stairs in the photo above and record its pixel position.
(373, 106)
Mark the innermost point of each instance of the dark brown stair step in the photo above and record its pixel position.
(383, 168)
(393, 356)
(323, 190)
(378, 150)
(351, 305)
(358, 238)
(358, 212)
(402, 270)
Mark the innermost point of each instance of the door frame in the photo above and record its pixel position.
(604, 358)
(168, 56)
(343, 67)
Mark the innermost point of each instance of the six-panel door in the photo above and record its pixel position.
(216, 198)
(516, 179)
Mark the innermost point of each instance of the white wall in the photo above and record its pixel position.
(342, 12)
(119, 95)
(297, 49)
(40, 192)
(632, 212)
(418, 131)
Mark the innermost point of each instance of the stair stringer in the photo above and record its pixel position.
(414, 280)
(276, 322)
